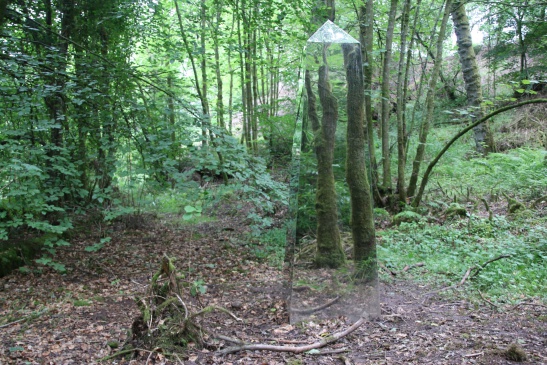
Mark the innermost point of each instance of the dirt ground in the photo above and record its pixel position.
(85, 315)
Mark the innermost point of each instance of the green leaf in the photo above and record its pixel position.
(525, 82)
(189, 209)
(43, 260)
(94, 248)
(520, 91)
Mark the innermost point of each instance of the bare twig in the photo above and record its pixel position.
(487, 301)
(530, 304)
(151, 353)
(220, 309)
(295, 349)
(331, 352)
(315, 309)
(183, 305)
(14, 322)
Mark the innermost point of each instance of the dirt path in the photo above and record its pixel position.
(81, 316)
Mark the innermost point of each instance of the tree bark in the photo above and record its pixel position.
(484, 141)
(329, 246)
(366, 34)
(401, 128)
(362, 218)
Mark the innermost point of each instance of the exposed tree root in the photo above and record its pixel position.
(166, 323)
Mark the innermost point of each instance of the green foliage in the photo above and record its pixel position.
(270, 246)
(449, 251)
(407, 216)
(98, 246)
(520, 171)
(197, 287)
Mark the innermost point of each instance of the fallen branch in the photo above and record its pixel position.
(475, 354)
(392, 273)
(489, 262)
(408, 267)
(530, 304)
(128, 351)
(295, 349)
(479, 268)
(466, 275)
(487, 301)
(315, 309)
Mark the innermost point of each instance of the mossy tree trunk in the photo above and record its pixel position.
(362, 219)
(329, 246)
(366, 34)
(484, 140)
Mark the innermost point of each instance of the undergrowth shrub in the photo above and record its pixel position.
(521, 172)
(449, 251)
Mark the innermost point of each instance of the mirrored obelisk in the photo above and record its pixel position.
(331, 242)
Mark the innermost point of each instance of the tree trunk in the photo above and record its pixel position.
(430, 103)
(484, 140)
(329, 247)
(401, 128)
(362, 218)
(386, 105)
(206, 119)
(220, 92)
(367, 38)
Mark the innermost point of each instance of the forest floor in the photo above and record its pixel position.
(86, 314)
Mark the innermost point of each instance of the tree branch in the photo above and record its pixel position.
(425, 178)
(295, 349)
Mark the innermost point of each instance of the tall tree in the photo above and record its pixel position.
(484, 140)
(386, 104)
(430, 102)
(401, 104)
(366, 37)
(362, 217)
(329, 247)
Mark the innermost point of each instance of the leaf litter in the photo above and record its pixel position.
(86, 314)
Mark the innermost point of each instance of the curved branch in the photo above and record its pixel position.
(315, 309)
(295, 349)
(425, 178)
